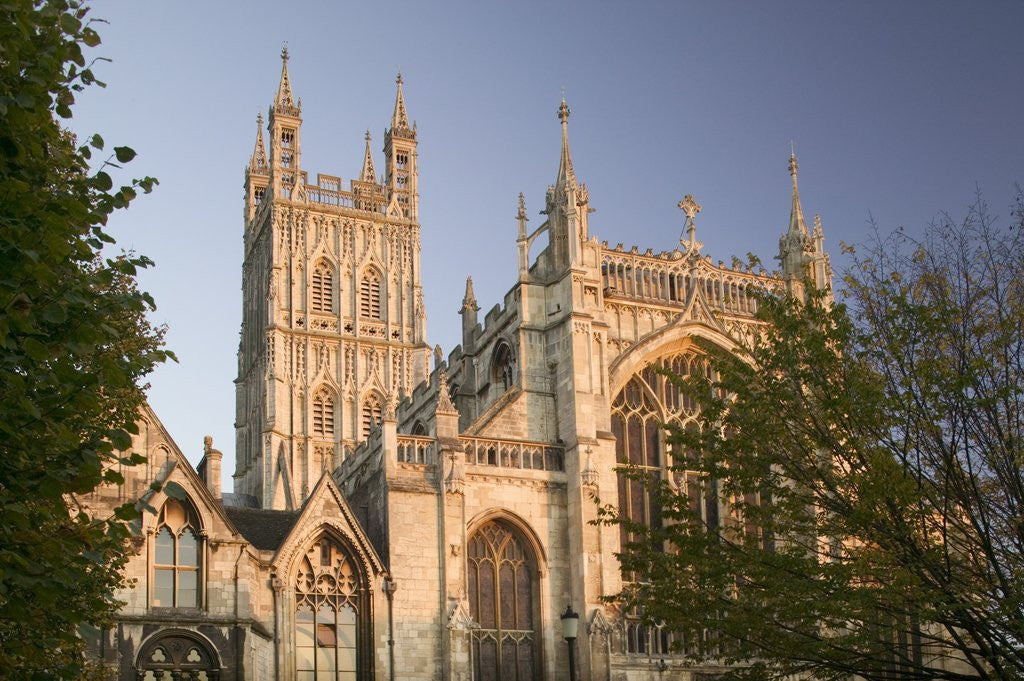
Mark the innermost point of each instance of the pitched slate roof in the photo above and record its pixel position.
(265, 530)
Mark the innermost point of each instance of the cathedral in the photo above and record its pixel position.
(398, 514)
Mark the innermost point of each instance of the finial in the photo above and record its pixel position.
(690, 208)
(469, 300)
(367, 136)
(259, 119)
(284, 50)
(444, 400)
(521, 213)
(563, 112)
(796, 215)
(398, 78)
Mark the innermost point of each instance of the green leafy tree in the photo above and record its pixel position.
(869, 457)
(74, 346)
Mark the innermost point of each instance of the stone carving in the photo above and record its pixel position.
(454, 472)
(589, 476)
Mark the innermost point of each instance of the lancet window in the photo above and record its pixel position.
(321, 292)
(502, 572)
(370, 294)
(330, 614)
(176, 557)
(323, 413)
(503, 366)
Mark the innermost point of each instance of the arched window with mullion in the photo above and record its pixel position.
(331, 615)
(502, 590)
(176, 557)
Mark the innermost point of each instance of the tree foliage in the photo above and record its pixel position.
(74, 345)
(869, 455)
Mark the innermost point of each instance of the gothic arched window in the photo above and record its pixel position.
(502, 600)
(321, 292)
(176, 557)
(370, 294)
(330, 614)
(639, 410)
(323, 414)
(503, 366)
(371, 414)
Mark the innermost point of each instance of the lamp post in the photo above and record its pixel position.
(570, 627)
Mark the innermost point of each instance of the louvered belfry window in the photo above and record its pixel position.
(323, 414)
(371, 416)
(369, 295)
(321, 293)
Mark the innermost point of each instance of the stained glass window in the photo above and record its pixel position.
(502, 587)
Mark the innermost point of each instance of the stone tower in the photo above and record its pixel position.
(333, 326)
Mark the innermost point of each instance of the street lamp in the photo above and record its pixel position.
(570, 627)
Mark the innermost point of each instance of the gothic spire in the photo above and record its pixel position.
(368, 174)
(400, 118)
(566, 176)
(258, 162)
(284, 102)
(469, 300)
(796, 213)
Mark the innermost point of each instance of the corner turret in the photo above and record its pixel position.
(567, 205)
(257, 173)
(801, 254)
(285, 125)
(400, 161)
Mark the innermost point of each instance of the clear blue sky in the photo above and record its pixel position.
(897, 110)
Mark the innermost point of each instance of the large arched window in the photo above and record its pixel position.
(323, 413)
(321, 291)
(639, 410)
(330, 615)
(502, 600)
(176, 557)
(371, 414)
(370, 294)
(503, 366)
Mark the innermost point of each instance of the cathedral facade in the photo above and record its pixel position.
(401, 514)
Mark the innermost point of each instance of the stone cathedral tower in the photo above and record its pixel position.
(333, 326)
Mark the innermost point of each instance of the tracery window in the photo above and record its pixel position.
(323, 414)
(321, 292)
(639, 410)
(176, 557)
(370, 294)
(502, 600)
(329, 613)
(503, 366)
(371, 414)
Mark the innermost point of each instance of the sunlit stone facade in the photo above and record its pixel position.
(398, 515)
